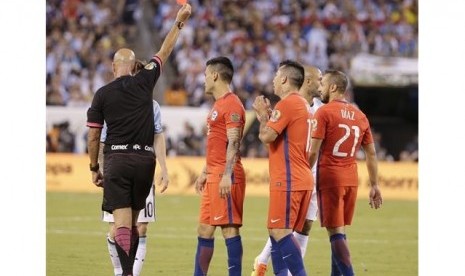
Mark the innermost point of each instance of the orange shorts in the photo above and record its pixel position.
(216, 211)
(337, 205)
(288, 210)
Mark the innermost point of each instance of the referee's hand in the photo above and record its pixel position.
(184, 13)
(97, 178)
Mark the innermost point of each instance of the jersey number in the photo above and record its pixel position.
(346, 136)
(148, 210)
(307, 147)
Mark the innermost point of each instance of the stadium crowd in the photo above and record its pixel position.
(257, 35)
(82, 35)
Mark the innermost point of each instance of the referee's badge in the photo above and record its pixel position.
(150, 65)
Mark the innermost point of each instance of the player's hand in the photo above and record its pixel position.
(184, 13)
(376, 200)
(200, 183)
(261, 107)
(97, 178)
(225, 186)
(164, 181)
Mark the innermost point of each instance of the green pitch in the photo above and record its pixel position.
(382, 242)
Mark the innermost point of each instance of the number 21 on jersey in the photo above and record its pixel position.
(347, 136)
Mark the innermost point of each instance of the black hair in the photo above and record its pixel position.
(294, 71)
(223, 66)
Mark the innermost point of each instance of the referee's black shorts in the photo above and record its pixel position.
(128, 177)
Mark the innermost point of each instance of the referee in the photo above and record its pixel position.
(125, 104)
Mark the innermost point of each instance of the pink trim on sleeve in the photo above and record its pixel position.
(90, 124)
(158, 59)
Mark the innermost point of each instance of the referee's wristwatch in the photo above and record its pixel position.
(94, 168)
(179, 24)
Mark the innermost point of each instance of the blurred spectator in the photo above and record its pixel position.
(410, 152)
(176, 95)
(170, 145)
(76, 98)
(189, 143)
(60, 138)
(381, 152)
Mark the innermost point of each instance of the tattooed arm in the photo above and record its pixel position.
(234, 141)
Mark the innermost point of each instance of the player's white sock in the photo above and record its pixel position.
(140, 256)
(114, 257)
(302, 240)
(266, 253)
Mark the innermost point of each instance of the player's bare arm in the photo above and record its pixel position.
(93, 144)
(172, 36)
(159, 146)
(314, 150)
(234, 141)
(372, 166)
(201, 180)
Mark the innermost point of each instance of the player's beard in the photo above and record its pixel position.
(325, 98)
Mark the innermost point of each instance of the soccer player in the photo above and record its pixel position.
(147, 214)
(287, 132)
(339, 130)
(309, 91)
(222, 181)
(125, 104)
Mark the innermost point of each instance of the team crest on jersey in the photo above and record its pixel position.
(214, 115)
(275, 115)
(235, 117)
(150, 65)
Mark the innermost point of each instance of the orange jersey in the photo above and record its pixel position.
(343, 129)
(227, 112)
(288, 154)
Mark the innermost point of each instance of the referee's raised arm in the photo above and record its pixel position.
(172, 36)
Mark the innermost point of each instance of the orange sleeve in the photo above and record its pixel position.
(280, 116)
(368, 137)
(234, 115)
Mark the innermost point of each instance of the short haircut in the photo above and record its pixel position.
(294, 71)
(339, 79)
(223, 66)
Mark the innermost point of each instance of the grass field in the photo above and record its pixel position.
(382, 242)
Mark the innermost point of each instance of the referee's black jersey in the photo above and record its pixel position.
(126, 105)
